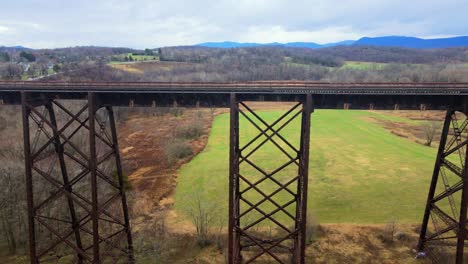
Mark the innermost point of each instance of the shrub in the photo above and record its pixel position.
(160, 111)
(313, 229)
(177, 149)
(125, 182)
(3, 123)
(176, 111)
(205, 216)
(388, 234)
(402, 236)
(190, 131)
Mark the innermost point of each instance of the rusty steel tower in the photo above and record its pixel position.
(252, 207)
(443, 232)
(75, 190)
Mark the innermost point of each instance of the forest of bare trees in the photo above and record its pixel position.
(193, 63)
(13, 222)
(224, 71)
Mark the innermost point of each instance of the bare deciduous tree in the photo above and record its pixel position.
(430, 129)
(204, 216)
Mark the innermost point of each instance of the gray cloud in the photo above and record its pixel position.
(149, 23)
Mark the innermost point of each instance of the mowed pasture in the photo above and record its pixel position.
(359, 172)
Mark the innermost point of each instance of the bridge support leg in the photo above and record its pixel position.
(59, 150)
(77, 207)
(443, 231)
(268, 183)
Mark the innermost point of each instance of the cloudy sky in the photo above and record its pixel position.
(155, 23)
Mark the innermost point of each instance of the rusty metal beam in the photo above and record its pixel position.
(304, 176)
(66, 183)
(28, 173)
(233, 234)
(462, 232)
(115, 142)
(92, 163)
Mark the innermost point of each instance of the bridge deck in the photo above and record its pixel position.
(326, 95)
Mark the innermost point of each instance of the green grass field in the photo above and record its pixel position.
(136, 58)
(359, 172)
(362, 65)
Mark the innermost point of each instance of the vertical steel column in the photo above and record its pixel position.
(66, 182)
(462, 233)
(115, 146)
(233, 250)
(29, 184)
(448, 226)
(92, 163)
(435, 177)
(304, 176)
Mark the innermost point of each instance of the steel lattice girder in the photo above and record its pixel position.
(247, 213)
(443, 231)
(87, 183)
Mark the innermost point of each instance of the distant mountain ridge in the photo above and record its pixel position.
(412, 42)
(386, 41)
(310, 45)
(4, 48)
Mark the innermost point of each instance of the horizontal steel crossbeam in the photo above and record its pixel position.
(373, 96)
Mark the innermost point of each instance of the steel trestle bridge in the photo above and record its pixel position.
(95, 227)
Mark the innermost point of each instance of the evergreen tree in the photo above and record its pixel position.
(28, 56)
(4, 57)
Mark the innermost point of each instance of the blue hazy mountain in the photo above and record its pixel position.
(412, 42)
(311, 45)
(4, 48)
(387, 41)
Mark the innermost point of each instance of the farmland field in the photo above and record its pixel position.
(361, 65)
(135, 58)
(359, 172)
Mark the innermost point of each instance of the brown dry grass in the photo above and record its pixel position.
(418, 115)
(142, 67)
(349, 243)
(336, 243)
(412, 131)
(142, 140)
